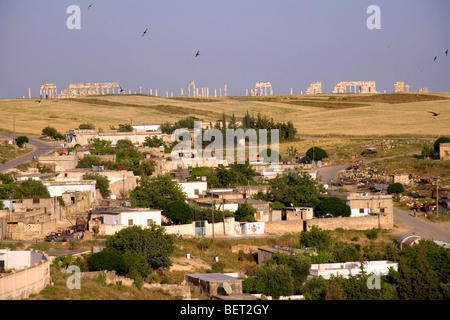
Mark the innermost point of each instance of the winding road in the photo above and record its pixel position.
(402, 218)
(39, 148)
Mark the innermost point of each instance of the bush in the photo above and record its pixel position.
(253, 285)
(277, 280)
(107, 260)
(315, 154)
(334, 206)
(395, 188)
(316, 238)
(178, 212)
(372, 233)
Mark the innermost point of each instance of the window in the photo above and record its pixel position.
(149, 222)
(361, 210)
(130, 222)
(196, 192)
(382, 210)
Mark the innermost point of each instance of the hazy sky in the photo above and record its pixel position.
(290, 43)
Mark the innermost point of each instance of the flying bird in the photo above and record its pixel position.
(121, 90)
(446, 52)
(90, 5)
(434, 59)
(144, 32)
(434, 113)
(197, 54)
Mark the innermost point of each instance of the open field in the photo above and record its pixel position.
(356, 115)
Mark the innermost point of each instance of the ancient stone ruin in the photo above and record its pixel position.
(314, 88)
(87, 89)
(355, 87)
(47, 91)
(262, 86)
(401, 87)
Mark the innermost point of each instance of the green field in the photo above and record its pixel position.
(326, 115)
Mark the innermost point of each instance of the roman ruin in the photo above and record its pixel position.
(400, 86)
(355, 87)
(314, 88)
(48, 91)
(261, 86)
(88, 89)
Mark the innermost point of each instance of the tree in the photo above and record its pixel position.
(89, 160)
(102, 182)
(101, 146)
(157, 192)
(395, 188)
(20, 141)
(153, 142)
(50, 132)
(298, 263)
(295, 188)
(245, 212)
(152, 243)
(107, 260)
(316, 153)
(277, 280)
(334, 206)
(31, 189)
(178, 212)
(316, 238)
(439, 141)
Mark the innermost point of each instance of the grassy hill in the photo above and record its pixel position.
(355, 115)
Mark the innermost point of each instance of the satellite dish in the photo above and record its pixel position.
(227, 288)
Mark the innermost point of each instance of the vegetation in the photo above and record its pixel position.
(31, 189)
(102, 182)
(333, 206)
(157, 192)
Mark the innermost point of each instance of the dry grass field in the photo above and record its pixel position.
(326, 115)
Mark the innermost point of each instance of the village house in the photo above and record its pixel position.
(194, 189)
(351, 269)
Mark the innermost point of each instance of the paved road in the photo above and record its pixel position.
(405, 219)
(40, 148)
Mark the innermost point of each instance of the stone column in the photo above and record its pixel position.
(29, 93)
(181, 91)
(140, 90)
(215, 92)
(156, 92)
(220, 92)
(151, 92)
(225, 90)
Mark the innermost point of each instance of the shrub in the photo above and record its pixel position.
(253, 285)
(107, 260)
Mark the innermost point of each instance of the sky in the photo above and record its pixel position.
(289, 43)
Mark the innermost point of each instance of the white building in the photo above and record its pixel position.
(57, 188)
(194, 189)
(147, 128)
(349, 269)
(128, 217)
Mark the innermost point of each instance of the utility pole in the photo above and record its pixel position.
(437, 197)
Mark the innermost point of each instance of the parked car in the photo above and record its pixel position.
(58, 237)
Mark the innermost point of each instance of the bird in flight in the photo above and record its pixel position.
(90, 5)
(197, 54)
(434, 113)
(143, 34)
(446, 52)
(121, 90)
(434, 59)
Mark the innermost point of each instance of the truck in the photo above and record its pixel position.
(80, 224)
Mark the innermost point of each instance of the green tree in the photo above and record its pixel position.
(178, 212)
(50, 132)
(298, 263)
(395, 188)
(107, 260)
(101, 146)
(245, 212)
(316, 238)
(439, 141)
(277, 280)
(295, 188)
(153, 142)
(253, 285)
(21, 140)
(31, 189)
(90, 160)
(152, 243)
(316, 153)
(157, 192)
(334, 206)
(102, 182)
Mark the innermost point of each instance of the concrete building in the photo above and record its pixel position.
(299, 213)
(364, 204)
(349, 269)
(211, 284)
(127, 217)
(28, 273)
(58, 188)
(194, 189)
(444, 151)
